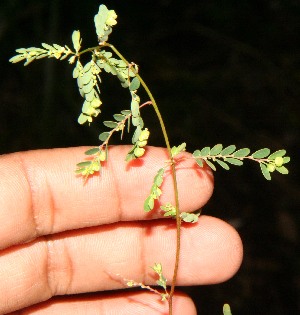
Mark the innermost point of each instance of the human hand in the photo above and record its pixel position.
(61, 237)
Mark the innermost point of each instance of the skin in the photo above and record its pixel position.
(65, 244)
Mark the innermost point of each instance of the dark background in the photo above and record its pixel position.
(222, 72)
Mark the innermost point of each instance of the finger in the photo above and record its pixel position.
(105, 304)
(101, 258)
(41, 195)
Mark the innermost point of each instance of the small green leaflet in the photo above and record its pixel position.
(119, 117)
(135, 84)
(176, 150)
(211, 165)
(234, 161)
(110, 124)
(265, 171)
(190, 217)
(223, 164)
(76, 40)
(155, 190)
(282, 170)
(277, 154)
(205, 151)
(103, 136)
(92, 151)
(262, 153)
(216, 149)
(228, 150)
(84, 164)
(241, 152)
(226, 310)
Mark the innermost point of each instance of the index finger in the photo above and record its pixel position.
(41, 195)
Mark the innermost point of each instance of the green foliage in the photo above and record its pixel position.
(76, 40)
(226, 310)
(155, 191)
(162, 281)
(88, 88)
(229, 155)
(190, 217)
(170, 211)
(114, 66)
(104, 21)
(87, 168)
(33, 53)
(176, 150)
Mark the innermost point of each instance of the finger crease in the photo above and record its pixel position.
(31, 192)
(118, 193)
(59, 269)
(144, 268)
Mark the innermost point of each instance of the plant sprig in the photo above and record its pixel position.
(106, 58)
(229, 155)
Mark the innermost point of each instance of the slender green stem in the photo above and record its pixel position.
(178, 219)
(87, 50)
